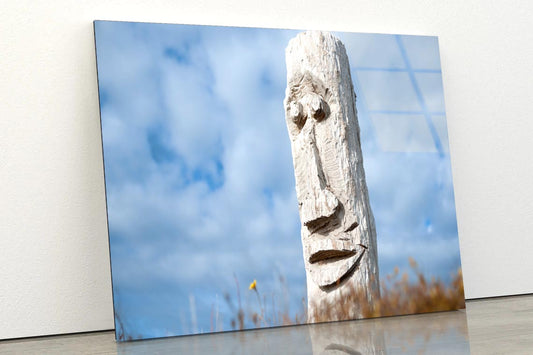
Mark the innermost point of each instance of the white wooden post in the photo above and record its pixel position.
(338, 231)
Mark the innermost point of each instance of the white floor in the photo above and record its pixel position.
(488, 326)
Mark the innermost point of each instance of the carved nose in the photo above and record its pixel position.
(320, 210)
(317, 108)
(318, 205)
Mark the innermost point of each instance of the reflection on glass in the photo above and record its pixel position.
(443, 332)
(428, 333)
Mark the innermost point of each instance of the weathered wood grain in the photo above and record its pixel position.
(338, 230)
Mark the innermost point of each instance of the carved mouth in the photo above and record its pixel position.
(330, 267)
(321, 249)
(331, 255)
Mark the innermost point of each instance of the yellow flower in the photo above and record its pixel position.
(253, 285)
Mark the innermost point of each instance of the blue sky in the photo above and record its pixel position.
(199, 175)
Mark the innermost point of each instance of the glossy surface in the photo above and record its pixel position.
(489, 326)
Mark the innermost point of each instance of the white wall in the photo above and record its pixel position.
(54, 260)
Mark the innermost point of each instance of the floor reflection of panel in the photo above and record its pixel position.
(489, 326)
(426, 333)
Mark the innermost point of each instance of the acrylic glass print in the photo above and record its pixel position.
(264, 177)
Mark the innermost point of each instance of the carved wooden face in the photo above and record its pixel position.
(325, 181)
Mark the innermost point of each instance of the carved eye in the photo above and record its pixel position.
(296, 113)
(317, 108)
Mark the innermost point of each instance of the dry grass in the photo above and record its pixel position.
(398, 296)
(265, 312)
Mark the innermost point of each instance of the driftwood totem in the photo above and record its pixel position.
(338, 231)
